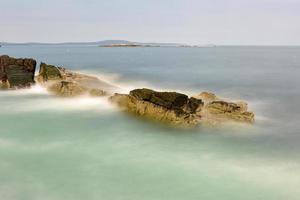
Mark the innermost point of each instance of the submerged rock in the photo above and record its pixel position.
(16, 72)
(66, 83)
(67, 89)
(97, 92)
(170, 107)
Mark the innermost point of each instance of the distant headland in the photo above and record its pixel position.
(105, 43)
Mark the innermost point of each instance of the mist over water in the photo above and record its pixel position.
(82, 148)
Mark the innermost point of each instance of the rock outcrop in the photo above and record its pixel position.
(178, 109)
(49, 72)
(229, 110)
(169, 107)
(217, 110)
(16, 72)
(66, 83)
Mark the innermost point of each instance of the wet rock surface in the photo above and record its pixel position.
(16, 72)
(169, 107)
(179, 109)
(49, 72)
(66, 83)
(229, 110)
(67, 89)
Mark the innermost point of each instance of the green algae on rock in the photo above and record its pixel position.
(49, 72)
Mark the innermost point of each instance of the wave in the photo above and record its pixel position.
(59, 104)
(115, 80)
(36, 89)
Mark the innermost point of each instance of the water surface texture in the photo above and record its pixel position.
(83, 148)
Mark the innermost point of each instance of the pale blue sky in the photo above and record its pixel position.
(266, 22)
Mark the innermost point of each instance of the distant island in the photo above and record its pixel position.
(128, 45)
(105, 43)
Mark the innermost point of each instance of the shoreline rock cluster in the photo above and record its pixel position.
(180, 110)
(169, 107)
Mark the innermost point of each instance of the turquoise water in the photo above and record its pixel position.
(74, 149)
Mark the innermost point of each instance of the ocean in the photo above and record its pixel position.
(72, 149)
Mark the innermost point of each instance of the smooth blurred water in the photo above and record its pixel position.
(74, 149)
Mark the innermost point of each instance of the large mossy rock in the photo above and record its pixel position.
(169, 100)
(170, 107)
(16, 72)
(49, 72)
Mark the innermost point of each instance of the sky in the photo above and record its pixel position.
(222, 22)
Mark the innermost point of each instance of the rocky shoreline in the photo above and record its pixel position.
(180, 110)
(168, 107)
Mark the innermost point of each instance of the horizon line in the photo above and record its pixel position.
(87, 42)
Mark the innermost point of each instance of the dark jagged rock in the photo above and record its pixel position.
(193, 105)
(170, 107)
(223, 107)
(16, 72)
(169, 100)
